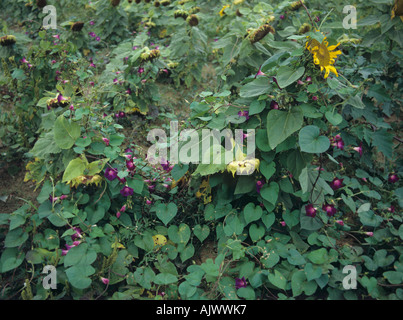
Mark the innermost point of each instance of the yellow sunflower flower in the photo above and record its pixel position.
(323, 55)
(222, 13)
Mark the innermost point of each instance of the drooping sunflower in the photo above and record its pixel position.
(323, 55)
(222, 13)
(397, 9)
(243, 167)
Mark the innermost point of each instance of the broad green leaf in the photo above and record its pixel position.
(66, 132)
(287, 75)
(311, 141)
(281, 124)
(255, 88)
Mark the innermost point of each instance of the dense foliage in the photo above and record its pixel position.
(324, 101)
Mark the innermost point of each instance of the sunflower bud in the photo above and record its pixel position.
(157, 4)
(296, 5)
(194, 10)
(260, 33)
(306, 27)
(173, 65)
(137, 1)
(165, 3)
(149, 55)
(115, 3)
(149, 24)
(192, 20)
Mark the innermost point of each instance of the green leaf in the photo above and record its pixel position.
(256, 232)
(383, 141)
(179, 235)
(309, 223)
(256, 107)
(286, 75)
(247, 293)
(187, 252)
(277, 279)
(166, 212)
(11, 258)
(319, 256)
(269, 192)
(66, 132)
(267, 169)
(312, 272)
(255, 88)
(78, 276)
(136, 183)
(270, 259)
(281, 124)
(394, 277)
(201, 232)
(74, 169)
(252, 212)
(165, 278)
(295, 258)
(334, 118)
(310, 140)
(15, 238)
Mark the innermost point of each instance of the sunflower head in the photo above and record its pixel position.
(323, 55)
(397, 9)
(8, 40)
(41, 3)
(77, 26)
(260, 33)
(192, 20)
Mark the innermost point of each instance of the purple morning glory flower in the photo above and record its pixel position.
(310, 210)
(336, 183)
(126, 191)
(110, 174)
(244, 114)
(329, 209)
(259, 186)
(240, 283)
(393, 178)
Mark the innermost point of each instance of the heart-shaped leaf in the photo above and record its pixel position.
(179, 235)
(166, 212)
(252, 212)
(270, 192)
(267, 169)
(286, 75)
(334, 118)
(311, 141)
(256, 232)
(281, 124)
(201, 232)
